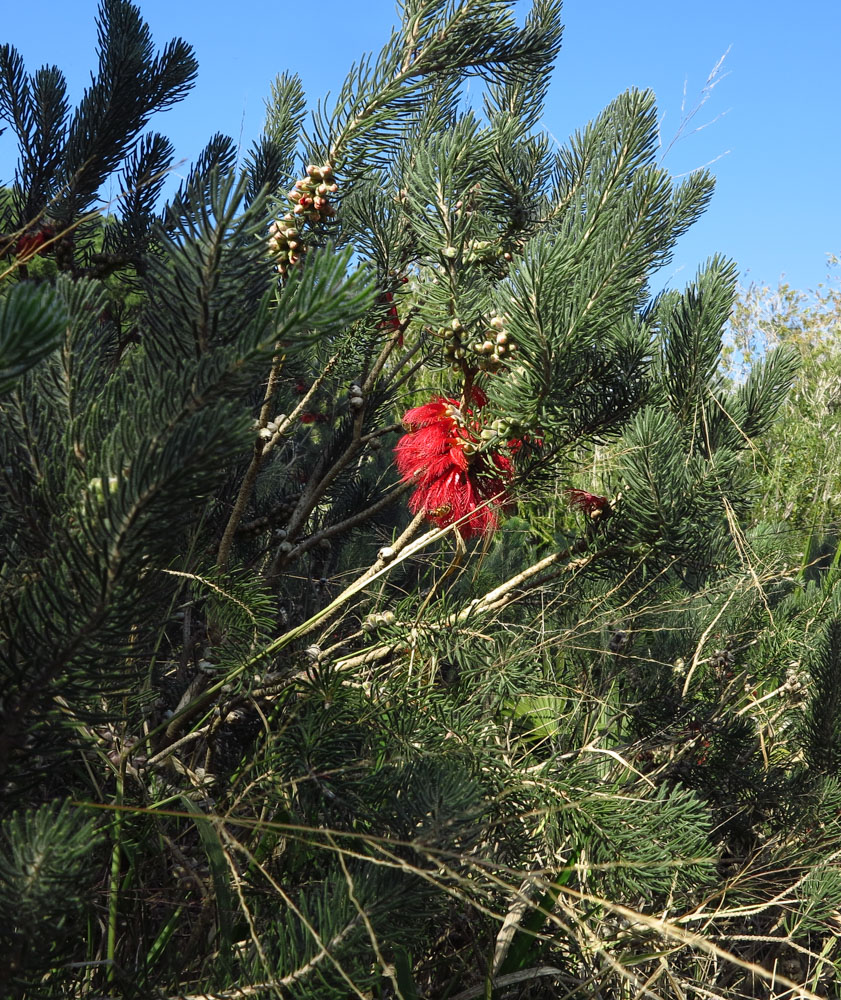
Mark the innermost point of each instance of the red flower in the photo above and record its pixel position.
(455, 482)
(308, 417)
(590, 503)
(391, 321)
(30, 244)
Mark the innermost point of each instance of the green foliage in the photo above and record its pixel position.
(798, 465)
(45, 865)
(31, 321)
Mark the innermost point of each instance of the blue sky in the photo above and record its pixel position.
(773, 121)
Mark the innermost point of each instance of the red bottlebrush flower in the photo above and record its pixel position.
(590, 503)
(308, 417)
(301, 388)
(30, 243)
(455, 482)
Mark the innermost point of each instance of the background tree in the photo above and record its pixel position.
(388, 613)
(801, 481)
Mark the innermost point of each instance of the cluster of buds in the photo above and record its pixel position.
(377, 619)
(286, 243)
(310, 194)
(309, 201)
(619, 639)
(454, 349)
(356, 399)
(485, 252)
(721, 664)
(272, 427)
(507, 427)
(497, 346)
(493, 346)
(796, 685)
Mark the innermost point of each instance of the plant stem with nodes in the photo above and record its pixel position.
(320, 482)
(261, 449)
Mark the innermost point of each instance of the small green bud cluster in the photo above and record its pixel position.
(309, 201)
(484, 252)
(376, 620)
(506, 427)
(496, 347)
(452, 335)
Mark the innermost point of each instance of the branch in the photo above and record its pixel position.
(348, 523)
(261, 448)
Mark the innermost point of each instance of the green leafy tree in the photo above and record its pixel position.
(797, 461)
(330, 666)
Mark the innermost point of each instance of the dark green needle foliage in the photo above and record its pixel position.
(263, 731)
